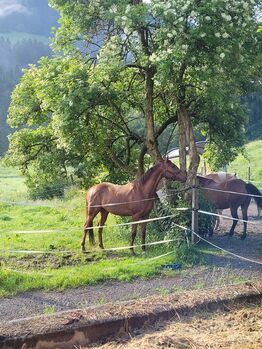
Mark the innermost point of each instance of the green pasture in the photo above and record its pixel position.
(59, 225)
(54, 228)
(252, 159)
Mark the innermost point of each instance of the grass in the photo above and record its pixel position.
(252, 159)
(61, 264)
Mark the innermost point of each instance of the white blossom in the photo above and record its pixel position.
(222, 55)
(113, 9)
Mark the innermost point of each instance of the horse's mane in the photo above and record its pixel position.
(146, 175)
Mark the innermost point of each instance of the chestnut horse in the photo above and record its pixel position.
(135, 199)
(220, 177)
(234, 199)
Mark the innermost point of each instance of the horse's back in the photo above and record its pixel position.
(106, 191)
(225, 194)
(221, 176)
(113, 198)
(236, 185)
(234, 190)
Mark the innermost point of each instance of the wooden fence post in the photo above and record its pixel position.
(195, 207)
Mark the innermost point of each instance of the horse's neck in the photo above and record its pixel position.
(150, 180)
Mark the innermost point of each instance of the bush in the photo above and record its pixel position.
(169, 205)
(205, 222)
(46, 191)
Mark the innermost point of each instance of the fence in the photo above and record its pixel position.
(195, 211)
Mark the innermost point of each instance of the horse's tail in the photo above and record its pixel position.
(90, 230)
(253, 190)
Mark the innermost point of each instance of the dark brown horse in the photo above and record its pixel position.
(230, 194)
(135, 199)
(220, 177)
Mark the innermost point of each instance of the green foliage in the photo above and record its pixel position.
(46, 190)
(81, 115)
(206, 223)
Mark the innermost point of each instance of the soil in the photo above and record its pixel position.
(237, 328)
(143, 318)
(220, 270)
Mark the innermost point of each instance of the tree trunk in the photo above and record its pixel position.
(183, 137)
(149, 72)
(194, 157)
(151, 143)
(187, 139)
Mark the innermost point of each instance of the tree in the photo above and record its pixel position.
(129, 70)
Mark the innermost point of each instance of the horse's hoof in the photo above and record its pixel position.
(243, 236)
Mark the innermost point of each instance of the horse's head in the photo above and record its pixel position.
(171, 171)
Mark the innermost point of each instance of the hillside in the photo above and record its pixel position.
(251, 159)
(25, 28)
(14, 37)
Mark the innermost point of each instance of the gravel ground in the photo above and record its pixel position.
(220, 270)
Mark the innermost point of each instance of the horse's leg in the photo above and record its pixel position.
(218, 219)
(88, 227)
(143, 234)
(244, 208)
(104, 215)
(133, 236)
(234, 215)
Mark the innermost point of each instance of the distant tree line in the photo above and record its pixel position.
(254, 104)
(13, 58)
(35, 18)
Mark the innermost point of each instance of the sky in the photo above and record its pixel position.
(8, 7)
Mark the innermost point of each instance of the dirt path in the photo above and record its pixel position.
(219, 271)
